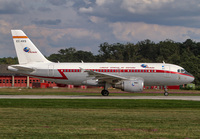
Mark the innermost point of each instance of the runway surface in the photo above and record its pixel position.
(194, 98)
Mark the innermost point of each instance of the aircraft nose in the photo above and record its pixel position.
(191, 79)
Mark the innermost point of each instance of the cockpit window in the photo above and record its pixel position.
(184, 72)
(181, 70)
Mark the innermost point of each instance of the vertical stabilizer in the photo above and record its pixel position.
(26, 51)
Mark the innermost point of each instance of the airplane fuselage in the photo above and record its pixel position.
(130, 77)
(72, 73)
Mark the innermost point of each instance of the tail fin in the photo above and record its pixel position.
(26, 51)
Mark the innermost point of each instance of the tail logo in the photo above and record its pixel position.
(28, 50)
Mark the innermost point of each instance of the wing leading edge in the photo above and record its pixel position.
(109, 78)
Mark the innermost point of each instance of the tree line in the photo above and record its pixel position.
(186, 54)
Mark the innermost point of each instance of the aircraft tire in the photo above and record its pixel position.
(104, 92)
(166, 94)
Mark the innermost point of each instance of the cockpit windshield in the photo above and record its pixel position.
(182, 71)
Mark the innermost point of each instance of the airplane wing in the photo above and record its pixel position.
(104, 76)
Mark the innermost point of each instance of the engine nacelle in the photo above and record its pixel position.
(135, 85)
(92, 82)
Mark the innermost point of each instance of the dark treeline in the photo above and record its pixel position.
(186, 54)
(72, 55)
(8, 60)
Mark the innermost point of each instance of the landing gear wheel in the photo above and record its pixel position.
(105, 92)
(166, 94)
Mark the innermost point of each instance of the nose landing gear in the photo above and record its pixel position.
(165, 93)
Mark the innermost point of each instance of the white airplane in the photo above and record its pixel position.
(130, 77)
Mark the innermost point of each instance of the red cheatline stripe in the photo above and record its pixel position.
(121, 71)
(14, 37)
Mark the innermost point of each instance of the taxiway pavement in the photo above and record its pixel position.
(193, 98)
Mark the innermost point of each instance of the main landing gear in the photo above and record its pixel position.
(105, 92)
(165, 93)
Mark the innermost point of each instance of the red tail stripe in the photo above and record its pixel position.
(20, 37)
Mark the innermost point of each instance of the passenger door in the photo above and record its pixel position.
(51, 70)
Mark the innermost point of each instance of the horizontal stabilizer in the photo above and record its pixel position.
(20, 68)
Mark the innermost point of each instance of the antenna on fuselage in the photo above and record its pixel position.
(163, 62)
(82, 61)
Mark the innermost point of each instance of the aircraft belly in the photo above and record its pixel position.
(76, 78)
(160, 80)
(64, 78)
(156, 79)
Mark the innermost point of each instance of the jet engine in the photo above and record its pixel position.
(132, 85)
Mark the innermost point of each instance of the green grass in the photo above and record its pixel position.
(85, 119)
(98, 104)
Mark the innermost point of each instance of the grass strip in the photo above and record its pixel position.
(89, 119)
(98, 104)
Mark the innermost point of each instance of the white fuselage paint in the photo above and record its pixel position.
(70, 73)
